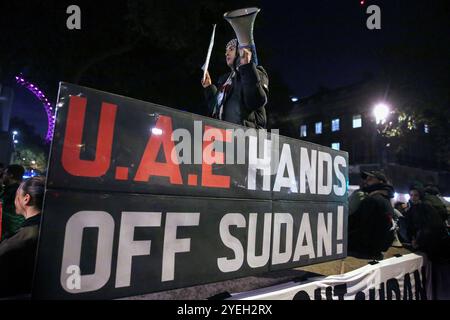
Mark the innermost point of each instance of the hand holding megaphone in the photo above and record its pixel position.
(245, 55)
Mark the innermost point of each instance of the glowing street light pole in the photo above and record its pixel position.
(15, 142)
(381, 113)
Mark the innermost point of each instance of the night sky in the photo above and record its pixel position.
(324, 42)
(311, 43)
(27, 107)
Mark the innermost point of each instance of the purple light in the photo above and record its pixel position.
(47, 105)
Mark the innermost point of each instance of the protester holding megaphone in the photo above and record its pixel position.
(240, 96)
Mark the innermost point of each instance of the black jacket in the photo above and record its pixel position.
(370, 227)
(426, 227)
(434, 201)
(17, 258)
(244, 103)
(11, 221)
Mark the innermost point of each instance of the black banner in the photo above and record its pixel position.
(112, 143)
(128, 244)
(143, 198)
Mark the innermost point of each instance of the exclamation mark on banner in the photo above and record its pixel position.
(340, 229)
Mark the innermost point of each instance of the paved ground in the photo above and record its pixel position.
(348, 264)
(268, 279)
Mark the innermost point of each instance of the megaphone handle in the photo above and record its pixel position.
(252, 48)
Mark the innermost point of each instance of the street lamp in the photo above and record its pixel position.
(15, 141)
(381, 112)
(15, 133)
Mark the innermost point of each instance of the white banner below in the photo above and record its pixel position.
(406, 277)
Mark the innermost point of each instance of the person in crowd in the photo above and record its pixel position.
(432, 197)
(12, 177)
(18, 252)
(371, 227)
(400, 210)
(425, 227)
(240, 95)
(354, 200)
(401, 207)
(397, 221)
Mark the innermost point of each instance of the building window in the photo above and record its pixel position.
(426, 128)
(318, 127)
(303, 130)
(336, 146)
(357, 121)
(335, 125)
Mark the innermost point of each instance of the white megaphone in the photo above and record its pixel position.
(242, 21)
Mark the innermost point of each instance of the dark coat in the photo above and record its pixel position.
(17, 258)
(434, 201)
(244, 103)
(425, 226)
(11, 221)
(370, 228)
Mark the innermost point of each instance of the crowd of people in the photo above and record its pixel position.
(21, 204)
(375, 223)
